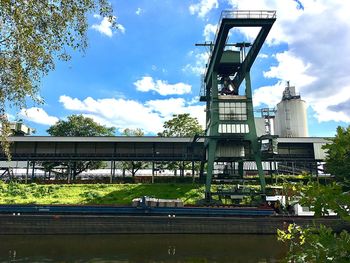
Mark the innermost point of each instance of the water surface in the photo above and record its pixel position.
(162, 248)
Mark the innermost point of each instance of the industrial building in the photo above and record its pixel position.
(288, 119)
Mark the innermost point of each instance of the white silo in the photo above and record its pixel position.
(291, 120)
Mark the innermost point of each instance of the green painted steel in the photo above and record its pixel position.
(230, 116)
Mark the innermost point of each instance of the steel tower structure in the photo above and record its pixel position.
(230, 128)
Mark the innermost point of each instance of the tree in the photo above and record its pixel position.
(338, 155)
(32, 35)
(315, 244)
(80, 126)
(133, 166)
(320, 243)
(181, 125)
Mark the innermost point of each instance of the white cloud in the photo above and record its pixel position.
(162, 87)
(121, 28)
(139, 11)
(198, 66)
(331, 108)
(38, 115)
(166, 108)
(203, 7)
(316, 61)
(287, 13)
(105, 26)
(10, 117)
(269, 95)
(121, 113)
(290, 68)
(209, 32)
(262, 55)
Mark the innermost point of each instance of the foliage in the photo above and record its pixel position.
(121, 194)
(32, 35)
(315, 244)
(133, 132)
(133, 166)
(338, 155)
(80, 126)
(181, 125)
(323, 198)
(4, 132)
(319, 243)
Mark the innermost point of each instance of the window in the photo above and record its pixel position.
(229, 111)
(233, 128)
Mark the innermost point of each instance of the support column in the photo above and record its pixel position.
(73, 171)
(257, 157)
(240, 168)
(213, 131)
(112, 170)
(33, 171)
(192, 171)
(27, 173)
(211, 159)
(201, 171)
(252, 136)
(183, 169)
(153, 167)
(68, 173)
(271, 168)
(113, 175)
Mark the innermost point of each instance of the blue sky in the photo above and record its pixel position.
(149, 69)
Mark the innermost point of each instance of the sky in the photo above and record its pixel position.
(148, 69)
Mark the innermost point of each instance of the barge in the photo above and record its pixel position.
(77, 219)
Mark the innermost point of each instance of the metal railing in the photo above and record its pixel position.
(244, 14)
(255, 14)
(238, 14)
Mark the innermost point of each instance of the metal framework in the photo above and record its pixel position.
(230, 130)
(120, 148)
(147, 148)
(295, 155)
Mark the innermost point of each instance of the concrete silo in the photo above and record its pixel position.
(291, 120)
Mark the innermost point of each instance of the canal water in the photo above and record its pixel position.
(141, 248)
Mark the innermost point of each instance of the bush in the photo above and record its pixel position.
(91, 196)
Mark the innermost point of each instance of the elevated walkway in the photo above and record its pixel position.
(147, 148)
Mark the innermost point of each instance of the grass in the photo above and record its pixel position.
(102, 194)
(118, 194)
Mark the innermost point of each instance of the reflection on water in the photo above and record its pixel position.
(141, 248)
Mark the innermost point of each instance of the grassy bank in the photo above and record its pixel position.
(119, 194)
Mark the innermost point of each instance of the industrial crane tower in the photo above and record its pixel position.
(230, 128)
